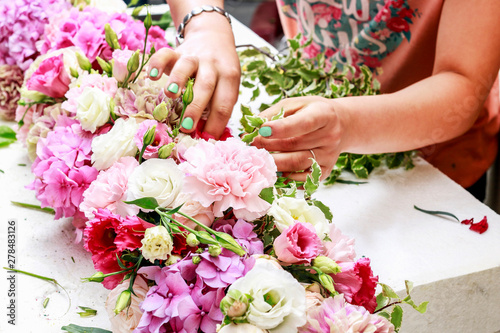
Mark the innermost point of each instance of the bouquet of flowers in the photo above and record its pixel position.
(189, 234)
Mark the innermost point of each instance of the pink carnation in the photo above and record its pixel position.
(336, 315)
(50, 78)
(229, 174)
(357, 283)
(11, 80)
(109, 190)
(161, 137)
(298, 244)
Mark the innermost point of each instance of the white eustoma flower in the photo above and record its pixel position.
(92, 109)
(109, 6)
(157, 178)
(118, 142)
(287, 210)
(156, 244)
(279, 301)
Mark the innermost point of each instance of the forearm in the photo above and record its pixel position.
(433, 110)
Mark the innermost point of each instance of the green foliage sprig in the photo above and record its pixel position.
(282, 76)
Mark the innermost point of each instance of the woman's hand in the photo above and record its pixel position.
(207, 54)
(311, 128)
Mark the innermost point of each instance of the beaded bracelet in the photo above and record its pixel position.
(197, 11)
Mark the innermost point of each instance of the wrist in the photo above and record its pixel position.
(203, 14)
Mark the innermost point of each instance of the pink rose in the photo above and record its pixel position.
(109, 190)
(229, 174)
(357, 283)
(120, 71)
(298, 244)
(50, 78)
(127, 320)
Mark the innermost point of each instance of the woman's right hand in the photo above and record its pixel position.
(207, 54)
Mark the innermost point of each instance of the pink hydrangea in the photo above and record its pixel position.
(22, 26)
(242, 232)
(109, 190)
(336, 315)
(161, 137)
(11, 80)
(298, 244)
(357, 283)
(85, 29)
(62, 170)
(229, 174)
(50, 78)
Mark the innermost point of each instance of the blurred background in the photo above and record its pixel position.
(259, 15)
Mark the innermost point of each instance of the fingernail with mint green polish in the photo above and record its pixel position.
(187, 123)
(153, 72)
(173, 88)
(265, 131)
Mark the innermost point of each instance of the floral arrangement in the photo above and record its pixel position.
(189, 234)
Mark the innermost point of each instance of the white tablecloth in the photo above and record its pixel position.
(455, 269)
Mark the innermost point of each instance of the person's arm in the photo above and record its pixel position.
(208, 54)
(438, 108)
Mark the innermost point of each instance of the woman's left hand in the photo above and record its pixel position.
(311, 128)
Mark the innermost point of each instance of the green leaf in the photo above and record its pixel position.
(280, 115)
(87, 312)
(385, 315)
(397, 316)
(388, 291)
(312, 182)
(250, 52)
(324, 208)
(35, 207)
(248, 138)
(145, 203)
(255, 94)
(436, 212)
(422, 307)
(7, 136)
(72, 328)
(255, 121)
(294, 44)
(247, 84)
(409, 287)
(267, 194)
(382, 301)
(350, 182)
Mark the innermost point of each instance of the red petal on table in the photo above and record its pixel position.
(480, 227)
(470, 221)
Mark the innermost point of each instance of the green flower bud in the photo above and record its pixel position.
(83, 62)
(74, 72)
(149, 136)
(160, 112)
(123, 301)
(112, 106)
(172, 259)
(229, 243)
(147, 21)
(134, 62)
(205, 238)
(327, 282)
(196, 260)
(136, 11)
(111, 37)
(166, 150)
(97, 277)
(187, 97)
(106, 67)
(214, 250)
(234, 304)
(192, 241)
(326, 265)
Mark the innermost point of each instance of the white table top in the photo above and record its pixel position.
(453, 268)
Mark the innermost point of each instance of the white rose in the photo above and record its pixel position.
(156, 244)
(287, 210)
(266, 283)
(92, 108)
(240, 328)
(157, 178)
(118, 142)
